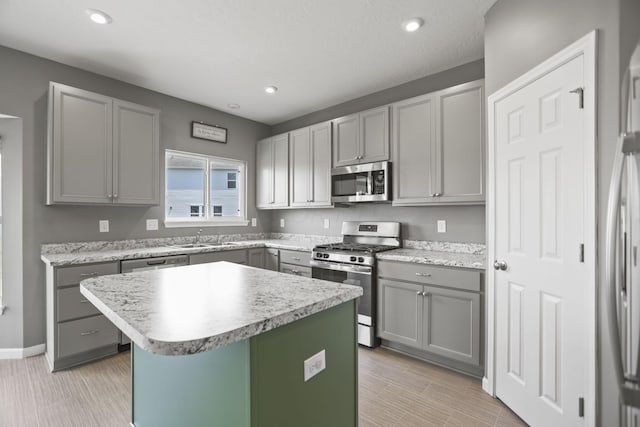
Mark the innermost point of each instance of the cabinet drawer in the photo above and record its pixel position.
(236, 256)
(451, 278)
(298, 270)
(295, 257)
(73, 275)
(83, 335)
(72, 304)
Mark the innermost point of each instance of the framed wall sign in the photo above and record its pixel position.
(208, 132)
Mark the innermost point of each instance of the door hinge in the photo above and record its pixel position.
(580, 92)
(581, 252)
(581, 407)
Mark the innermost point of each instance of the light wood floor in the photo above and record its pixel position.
(395, 390)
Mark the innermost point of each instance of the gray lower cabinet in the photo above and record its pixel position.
(101, 150)
(76, 331)
(421, 309)
(272, 259)
(256, 257)
(238, 256)
(295, 262)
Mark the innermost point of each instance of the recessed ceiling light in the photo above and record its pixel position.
(233, 106)
(271, 89)
(98, 16)
(413, 24)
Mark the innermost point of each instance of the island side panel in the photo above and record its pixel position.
(203, 389)
(279, 394)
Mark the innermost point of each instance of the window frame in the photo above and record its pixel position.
(210, 221)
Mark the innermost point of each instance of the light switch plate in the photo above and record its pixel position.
(326, 223)
(254, 222)
(152, 224)
(314, 365)
(103, 225)
(442, 226)
(282, 222)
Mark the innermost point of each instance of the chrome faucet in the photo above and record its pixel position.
(198, 236)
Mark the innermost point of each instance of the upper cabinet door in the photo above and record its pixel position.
(374, 135)
(300, 167)
(321, 162)
(264, 173)
(79, 147)
(346, 141)
(136, 154)
(280, 191)
(413, 150)
(460, 131)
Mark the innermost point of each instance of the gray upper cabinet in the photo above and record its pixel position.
(413, 150)
(361, 138)
(438, 147)
(460, 143)
(79, 146)
(136, 165)
(101, 150)
(272, 177)
(310, 166)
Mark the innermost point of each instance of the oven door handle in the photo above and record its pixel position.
(341, 267)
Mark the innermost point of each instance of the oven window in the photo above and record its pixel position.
(350, 184)
(354, 279)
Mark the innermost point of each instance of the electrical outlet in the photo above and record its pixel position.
(442, 226)
(103, 225)
(281, 222)
(254, 222)
(314, 365)
(326, 223)
(152, 224)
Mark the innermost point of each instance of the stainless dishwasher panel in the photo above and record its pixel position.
(145, 264)
(157, 263)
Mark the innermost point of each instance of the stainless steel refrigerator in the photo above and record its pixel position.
(622, 287)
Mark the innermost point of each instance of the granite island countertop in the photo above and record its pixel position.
(437, 258)
(117, 254)
(192, 309)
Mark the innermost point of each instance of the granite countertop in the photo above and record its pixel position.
(192, 309)
(422, 256)
(85, 257)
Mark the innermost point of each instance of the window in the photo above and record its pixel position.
(204, 190)
(231, 180)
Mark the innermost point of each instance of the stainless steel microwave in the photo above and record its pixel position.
(368, 182)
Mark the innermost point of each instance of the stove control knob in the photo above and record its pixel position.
(325, 255)
(352, 259)
(360, 259)
(318, 255)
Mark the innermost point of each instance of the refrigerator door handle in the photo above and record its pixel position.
(629, 395)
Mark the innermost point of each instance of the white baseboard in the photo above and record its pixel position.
(21, 353)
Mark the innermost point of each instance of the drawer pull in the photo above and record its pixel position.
(91, 332)
(84, 301)
(295, 271)
(295, 259)
(423, 274)
(95, 273)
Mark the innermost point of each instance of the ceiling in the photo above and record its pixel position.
(215, 52)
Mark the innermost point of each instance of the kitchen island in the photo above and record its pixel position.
(221, 344)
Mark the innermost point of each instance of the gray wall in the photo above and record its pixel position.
(12, 293)
(463, 73)
(24, 82)
(464, 223)
(521, 34)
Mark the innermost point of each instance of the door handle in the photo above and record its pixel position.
(500, 265)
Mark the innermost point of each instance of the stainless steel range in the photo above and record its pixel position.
(353, 262)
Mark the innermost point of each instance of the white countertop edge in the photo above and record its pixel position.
(222, 339)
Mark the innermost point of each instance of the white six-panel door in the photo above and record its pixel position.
(541, 338)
